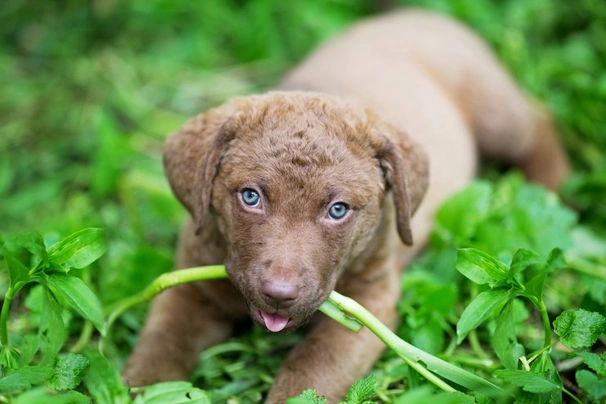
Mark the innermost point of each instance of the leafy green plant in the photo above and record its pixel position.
(50, 268)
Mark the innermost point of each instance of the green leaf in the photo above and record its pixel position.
(44, 396)
(307, 397)
(28, 346)
(534, 287)
(458, 218)
(361, 390)
(173, 392)
(78, 296)
(528, 381)
(589, 382)
(103, 380)
(17, 272)
(485, 305)
(52, 331)
(9, 358)
(425, 394)
(78, 250)
(480, 267)
(34, 243)
(594, 361)
(524, 258)
(504, 340)
(24, 378)
(69, 371)
(579, 328)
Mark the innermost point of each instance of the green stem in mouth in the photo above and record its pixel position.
(342, 309)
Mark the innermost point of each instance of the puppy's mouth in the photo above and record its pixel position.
(274, 322)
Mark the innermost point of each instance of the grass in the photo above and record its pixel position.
(90, 91)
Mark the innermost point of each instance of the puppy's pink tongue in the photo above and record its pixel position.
(274, 322)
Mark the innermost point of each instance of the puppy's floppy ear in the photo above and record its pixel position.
(406, 169)
(191, 160)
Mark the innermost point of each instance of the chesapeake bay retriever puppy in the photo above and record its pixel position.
(313, 188)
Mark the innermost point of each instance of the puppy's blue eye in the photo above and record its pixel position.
(338, 211)
(250, 197)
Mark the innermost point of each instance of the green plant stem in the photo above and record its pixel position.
(412, 355)
(162, 283)
(84, 339)
(6, 305)
(347, 307)
(546, 324)
(476, 347)
(575, 399)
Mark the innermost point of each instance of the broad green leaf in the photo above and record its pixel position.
(425, 394)
(34, 243)
(52, 332)
(69, 369)
(361, 390)
(590, 383)
(534, 287)
(43, 396)
(528, 381)
(595, 361)
(28, 346)
(78, 250)
(78, 296)
(17, 272)
(173, 392)
(480, 267)
(307, 397)
(485, 305)
(504, 340)
(103, 381)
(579, 328)
(524, 258)
(24, 378)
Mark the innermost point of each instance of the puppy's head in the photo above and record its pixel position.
(295, 183)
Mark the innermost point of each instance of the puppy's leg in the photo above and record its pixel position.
(181, 323)
(332, 357)
(186, 319)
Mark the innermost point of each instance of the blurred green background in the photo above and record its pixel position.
(90, 89)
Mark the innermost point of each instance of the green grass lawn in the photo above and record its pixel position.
(90, 90)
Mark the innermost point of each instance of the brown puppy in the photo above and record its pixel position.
(303, 192)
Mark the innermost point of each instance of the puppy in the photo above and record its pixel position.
(313, 188)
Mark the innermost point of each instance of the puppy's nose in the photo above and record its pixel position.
(279, 294)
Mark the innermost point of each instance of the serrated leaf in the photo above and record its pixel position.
(103, 381)
(485, 305)
(480, 267)
(78, 296)
(173, 392)
(579, 328)
(69, 369)
(52, 332)
(24, 378)
(78, 250)
(590, 383)
(594, 361)
(361, 390)
(309, 396)
(528, 381)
